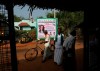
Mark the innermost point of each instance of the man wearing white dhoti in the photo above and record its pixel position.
(58, 52)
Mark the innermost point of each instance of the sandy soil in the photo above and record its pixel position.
(37, 65)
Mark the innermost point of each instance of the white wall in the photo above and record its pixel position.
(26, 28)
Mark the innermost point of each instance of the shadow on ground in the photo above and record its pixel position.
(79, 59)
(37, 65)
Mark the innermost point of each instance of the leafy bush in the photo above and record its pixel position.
(24, 36)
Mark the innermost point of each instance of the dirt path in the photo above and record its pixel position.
(79, 55)
(37, 65)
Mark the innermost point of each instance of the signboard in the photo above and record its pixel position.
(49, 24)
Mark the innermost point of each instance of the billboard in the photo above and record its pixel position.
(49, 24)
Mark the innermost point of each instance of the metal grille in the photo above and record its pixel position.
(5, 54)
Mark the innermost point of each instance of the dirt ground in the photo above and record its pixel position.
(37, 65)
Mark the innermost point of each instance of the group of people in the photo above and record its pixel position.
(61, 46)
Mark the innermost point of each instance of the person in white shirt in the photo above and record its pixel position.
(58, 52)
(69, 43)
(47, 52)
(69, 60)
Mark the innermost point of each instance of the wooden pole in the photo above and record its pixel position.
(12, 36)
(86, 45)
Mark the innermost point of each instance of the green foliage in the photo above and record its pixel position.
(67, 20)
(17, 19)
(32, 34)
(29, 35)
(50, 15)
(2, 16)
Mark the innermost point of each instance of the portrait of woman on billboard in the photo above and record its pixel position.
(41, 28)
